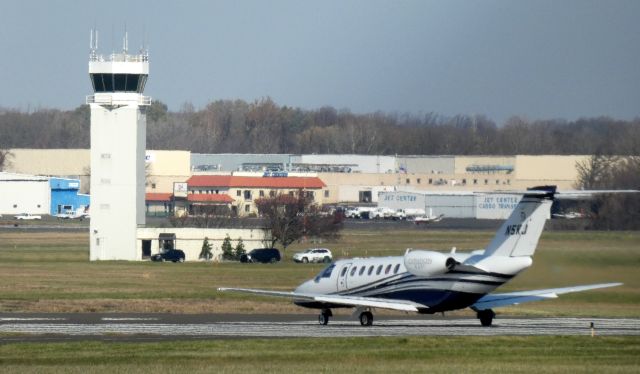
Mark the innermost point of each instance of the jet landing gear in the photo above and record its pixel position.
(366, 318)
(486, 317)
(323, 317)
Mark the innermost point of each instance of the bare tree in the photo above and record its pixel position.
(616, 211)
(289, 218)
(5, 159)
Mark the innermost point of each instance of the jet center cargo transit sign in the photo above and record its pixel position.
(496, 206)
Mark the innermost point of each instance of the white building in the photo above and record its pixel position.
(21, 193)
(190, 239)
(118, 136)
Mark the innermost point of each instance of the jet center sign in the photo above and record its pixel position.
(496, 206)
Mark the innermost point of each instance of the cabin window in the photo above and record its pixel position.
(388, 269)
(370, 270)
(379, 270)
(362, 270)
(395, 270)
(343, 272)
(353, 271)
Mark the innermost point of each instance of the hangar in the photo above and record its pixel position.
(22, 193)
(452, 204)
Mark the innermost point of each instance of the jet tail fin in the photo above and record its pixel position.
(519, 234)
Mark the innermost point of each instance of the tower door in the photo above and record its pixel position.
(146, 249)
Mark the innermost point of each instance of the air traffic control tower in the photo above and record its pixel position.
(118, 140)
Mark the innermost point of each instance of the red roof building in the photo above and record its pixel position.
(154, 196)
(210, 198)
(244, 190)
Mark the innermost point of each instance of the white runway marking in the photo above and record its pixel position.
(32, 319)
(451, 327)
(127, 319)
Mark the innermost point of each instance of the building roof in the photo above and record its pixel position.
(209, 198)
(154, 196)
(254, 182)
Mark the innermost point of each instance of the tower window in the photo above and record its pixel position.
(118, 82)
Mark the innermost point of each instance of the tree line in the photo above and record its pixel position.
(262, 126)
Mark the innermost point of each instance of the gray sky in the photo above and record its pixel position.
(539, 59)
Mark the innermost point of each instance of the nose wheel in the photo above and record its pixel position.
(323, 317)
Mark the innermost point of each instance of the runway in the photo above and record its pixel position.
(149, 327)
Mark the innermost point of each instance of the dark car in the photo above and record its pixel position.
(173, 255)
(264, 255)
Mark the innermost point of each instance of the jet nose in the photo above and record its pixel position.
(304, 287)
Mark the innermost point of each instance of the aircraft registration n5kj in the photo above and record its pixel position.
(427, 282)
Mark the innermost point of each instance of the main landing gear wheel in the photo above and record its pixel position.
(486, 317)
(323, 317)
(366, 318)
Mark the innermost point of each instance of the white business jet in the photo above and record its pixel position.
(427, 282)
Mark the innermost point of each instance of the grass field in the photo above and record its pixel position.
(50, 272)
(349, 355)
(45, 272)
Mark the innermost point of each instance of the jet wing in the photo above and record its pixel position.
(513, 298)
(355, 301)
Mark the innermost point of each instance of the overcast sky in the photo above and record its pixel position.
(538, 59)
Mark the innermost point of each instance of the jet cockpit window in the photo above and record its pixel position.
(326, 273)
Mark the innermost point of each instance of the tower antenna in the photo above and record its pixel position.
(125, 41)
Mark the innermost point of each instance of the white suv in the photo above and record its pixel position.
(313, 255)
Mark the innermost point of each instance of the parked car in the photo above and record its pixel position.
(263, 255)
(173, 255)
(313, 255)
(27, 216)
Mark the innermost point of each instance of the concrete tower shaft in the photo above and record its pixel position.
(118, 140)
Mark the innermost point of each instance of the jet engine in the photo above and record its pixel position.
(426, 263)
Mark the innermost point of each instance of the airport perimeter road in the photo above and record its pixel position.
(149, 327)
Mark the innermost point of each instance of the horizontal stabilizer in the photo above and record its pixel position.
(513, 298)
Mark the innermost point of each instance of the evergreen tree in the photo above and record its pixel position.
(239, 249)
(227, 249)
(205, 253)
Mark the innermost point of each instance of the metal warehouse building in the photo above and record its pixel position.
(22, 193)
(452, 205)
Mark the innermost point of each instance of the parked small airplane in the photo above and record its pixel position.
(428, 282)
(569, 215)
(73, 215)
(428, 218)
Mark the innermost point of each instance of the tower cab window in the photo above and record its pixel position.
(118, 82)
